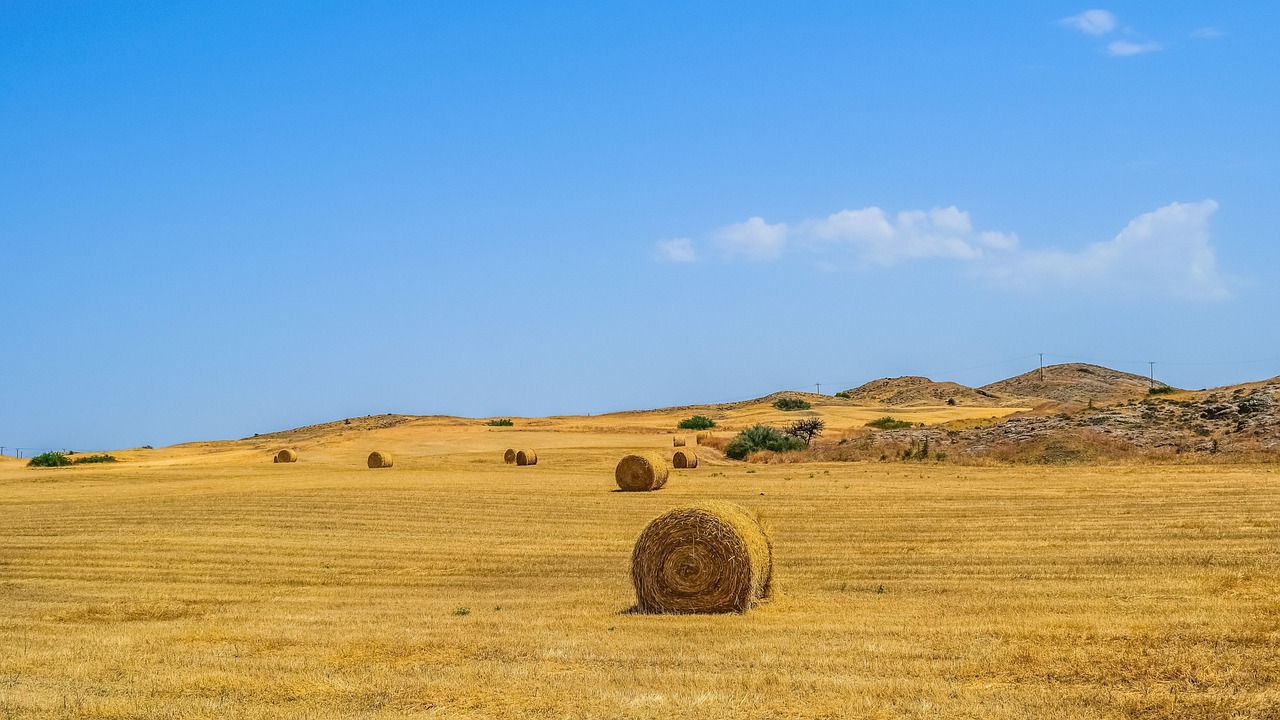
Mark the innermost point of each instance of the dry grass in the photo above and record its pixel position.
(198, 583)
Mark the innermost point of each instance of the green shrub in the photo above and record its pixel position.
(697, 422)
(844, 394)
(501, 422)
(93, 459)
(1162, 390)
(791, 404)
(761, 437)
(889, 423)
(49, 459)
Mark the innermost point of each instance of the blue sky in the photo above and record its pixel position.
(218, 219)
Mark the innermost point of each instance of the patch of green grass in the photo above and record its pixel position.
(889, 423)
(697, 422)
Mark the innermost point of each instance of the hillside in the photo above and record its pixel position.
(1074, 383)
(913, 390)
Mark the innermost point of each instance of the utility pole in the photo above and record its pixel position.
(1153, 374)
(819, 388)
(1041, 367)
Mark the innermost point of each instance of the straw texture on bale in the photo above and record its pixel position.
(713, 557)
(286, 456)
(509, 456)
(701, 438)
(685, 459)
(677, 442)
(526, 457)
(380, 459)
(642, 472)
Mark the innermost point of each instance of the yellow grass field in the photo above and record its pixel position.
(204, 581)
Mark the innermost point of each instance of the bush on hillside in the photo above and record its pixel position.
(791, 404)
(501, 422)
(49, 459)
(761, 437)
(1162, 390)
(844, 394)
(697, 422)
(889, 423)
(94, 459)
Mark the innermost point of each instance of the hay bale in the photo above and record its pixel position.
(509, 456)
(685, 459)
(677, 441)
(701, 438)
(526, 457)
(643, 472)
(286, 456)
(712, 557)
(380, 459)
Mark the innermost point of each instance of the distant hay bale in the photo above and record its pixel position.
(526, 457)
(701, 438)
(509, 456)
(641, 473)
(380, 459)
(286, 456)
(677, 441)
(713, 557)
(684, 459)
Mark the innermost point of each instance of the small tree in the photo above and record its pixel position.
(806, 429)
(697, 422)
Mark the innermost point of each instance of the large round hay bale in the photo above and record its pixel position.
(684, 459)
(379, 459)
(509, 456)
(642, 472)
(677, 441)
(712, 557)
(701, 438)
(526, 457)
(286, 456)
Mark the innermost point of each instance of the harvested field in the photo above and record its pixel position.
(197, 582)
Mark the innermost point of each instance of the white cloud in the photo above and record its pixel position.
(873, 236)
(1125, 48)
(754, 239)
(1208, 33)
(676, 250)
(1164, 252)
(1092, 22)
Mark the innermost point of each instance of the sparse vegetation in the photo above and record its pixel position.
(1162, 390)
(500, 422)
(889, 422)
(844, 394)
(697, 422)
(94, 459)
(761, 437)
(790, 403)
(49, 459)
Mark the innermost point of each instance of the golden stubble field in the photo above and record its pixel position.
(206, 582)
